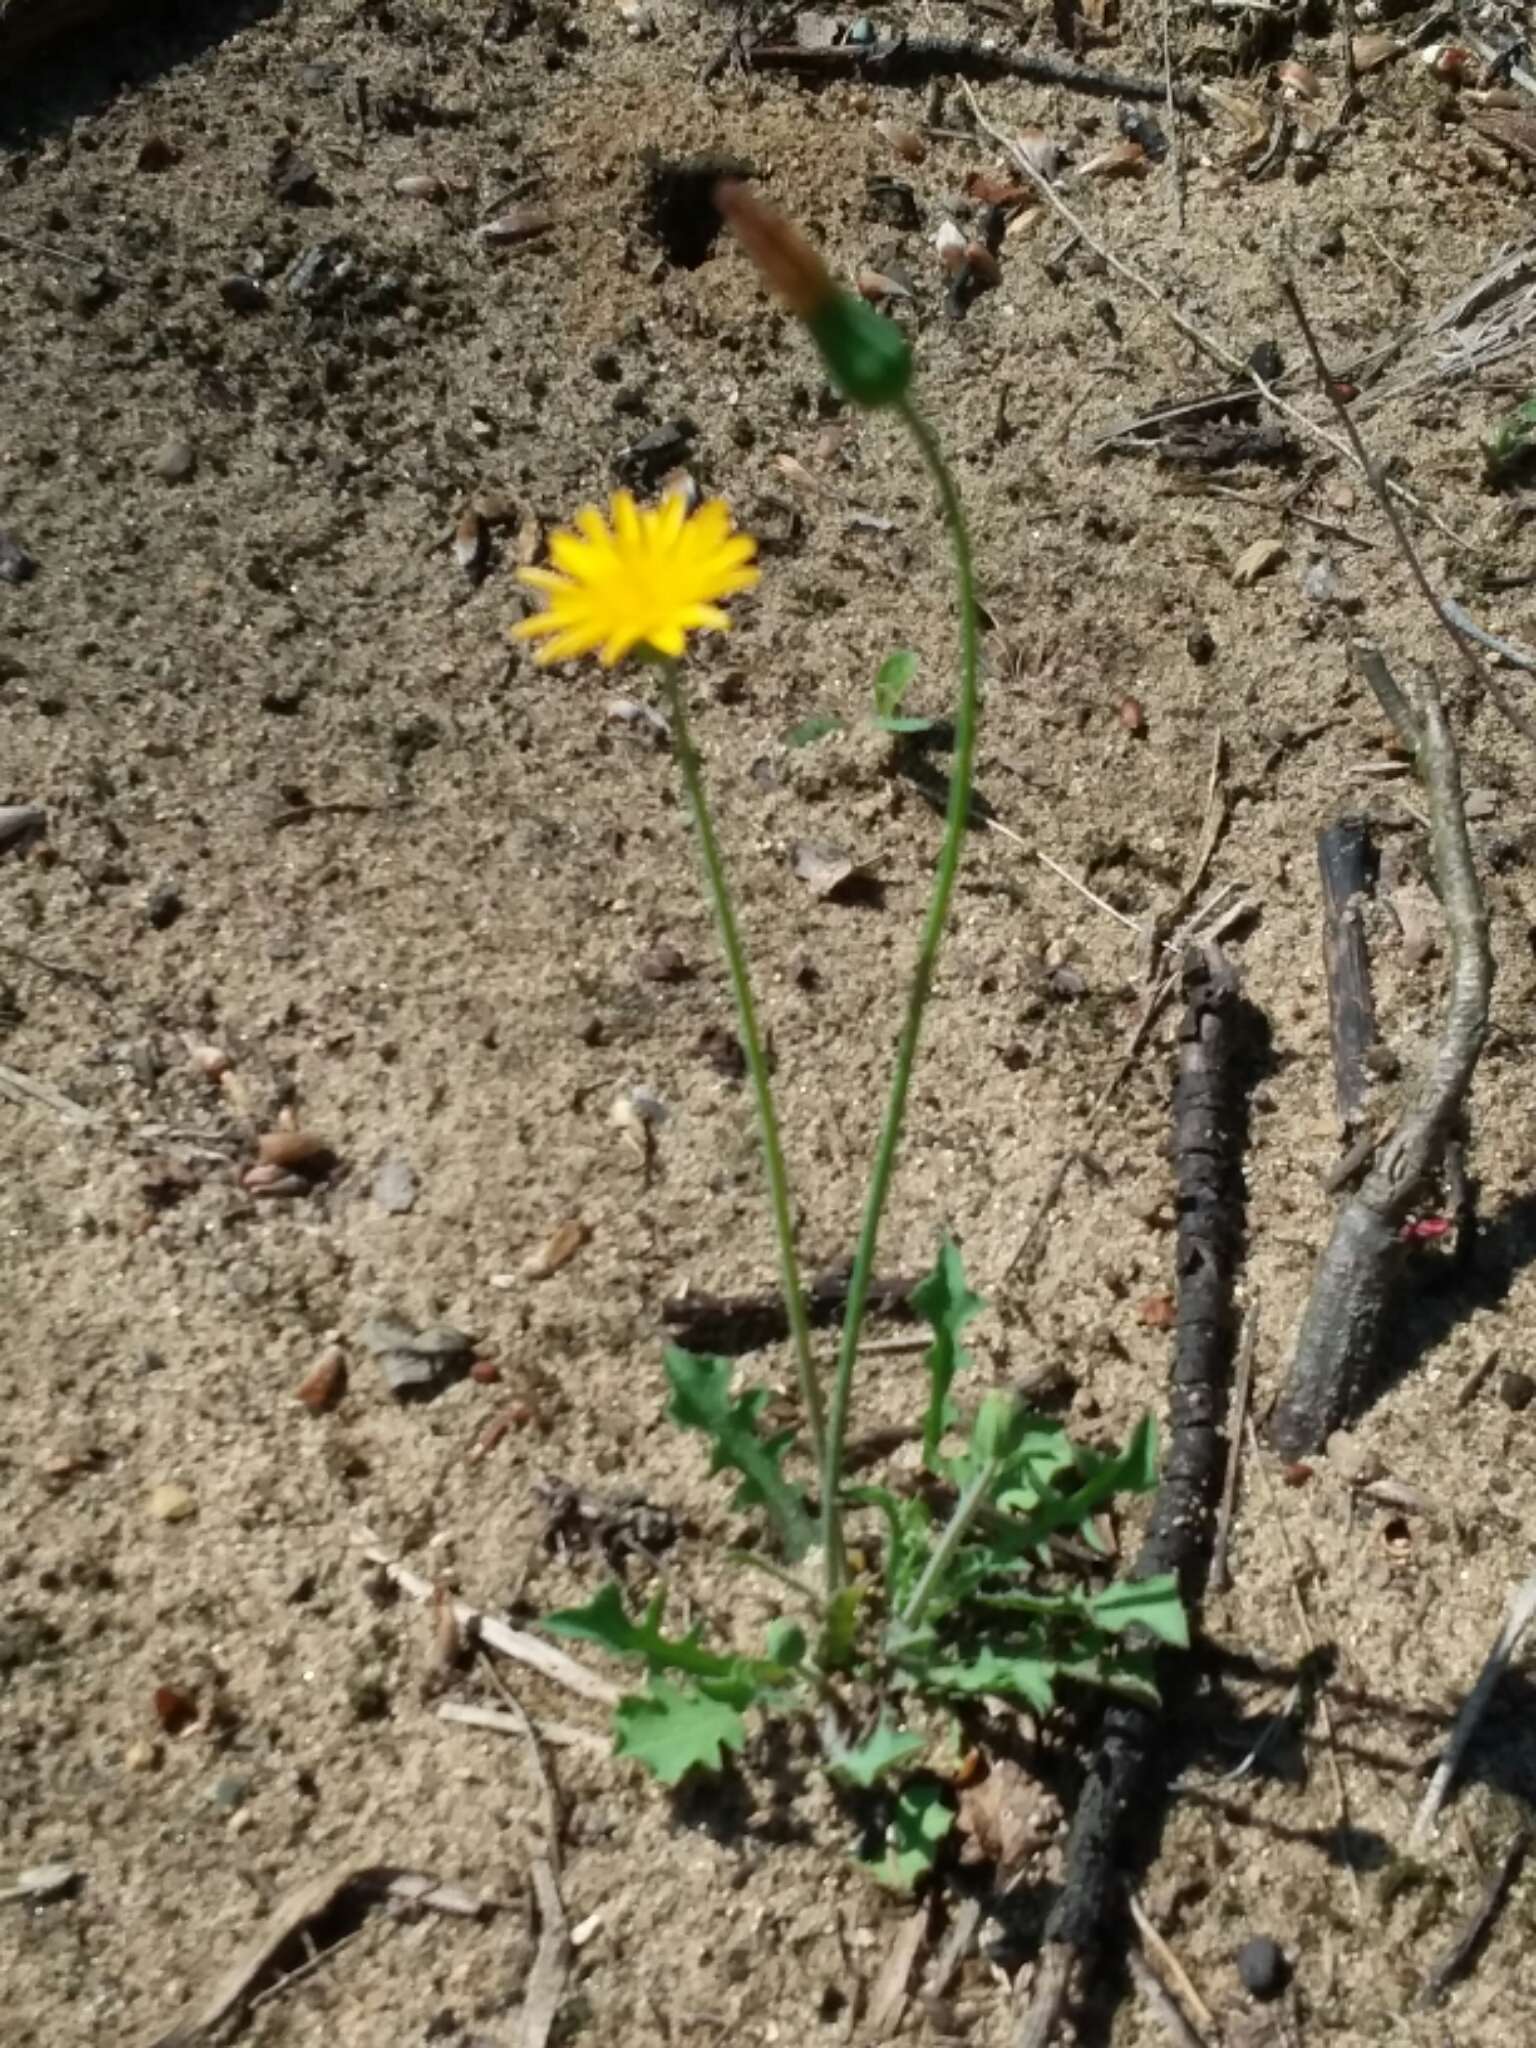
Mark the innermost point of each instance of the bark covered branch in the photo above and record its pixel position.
(1207, 1128)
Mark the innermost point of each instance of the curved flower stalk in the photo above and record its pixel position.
(870, 361)
(638, 582)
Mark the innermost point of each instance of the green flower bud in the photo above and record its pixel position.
(867, 356)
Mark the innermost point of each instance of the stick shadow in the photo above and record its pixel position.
(51, 88)
(1501, 1250)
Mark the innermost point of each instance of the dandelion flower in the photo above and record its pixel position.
(650, 578)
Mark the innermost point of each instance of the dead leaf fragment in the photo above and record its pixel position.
(1256, 561)
(175, 1709)
(518, 224)
(906, 142)
(1370, 52)
(988, 189)
(1157, 1311)
(822, 867)
(296, 1152)
(951, 245)
(1039, 152)
(561, 1247)
(1515, 133)
(325, 1383)
(1123, 159)
(1004, 1815)
(471, 544)
(877, 286)
(982, 263)
(1239, 112)
(1297, 82)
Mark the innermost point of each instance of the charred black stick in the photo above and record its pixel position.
(1206, 1139)
(914, 60)
(1342, 1326)
(1344, 861)
(730, 1324)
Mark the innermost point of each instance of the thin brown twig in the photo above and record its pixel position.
(1521, 1612)
(1470, 1934)
(553, 1812)
(1208, 346)
(1381, 489)
(1162, 2001)
(1168, 1964)
(1221, 1576)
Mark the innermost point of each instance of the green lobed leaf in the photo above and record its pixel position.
(786, 1644)
(672, 1732)
(1133, 1470)
(947, 1305)
(816, 727)
(737, 1681)
(892, 681)
(920, 1819)
(878, 1753)
(701, 1399)
(903, 725)
(1012, 1675)
(1152, 1604)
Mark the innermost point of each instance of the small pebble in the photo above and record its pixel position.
(170, 1502)
(175, 460)
(1516, 1390)
(395, 1187)
(164, 906)
(16, 565)
(229, 1793)
(663, 963)
(1262, 1967)
(141, 1755)
(242, 294)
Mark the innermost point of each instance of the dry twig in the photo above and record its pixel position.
(1209, 1238)
(1343, 1320)
(1522, 1609)
(545, 1991)
(235, 1988)
(515, 1643)
(1208, 346)
(1382, 489)
(1237, 1418)
(1469, 1935)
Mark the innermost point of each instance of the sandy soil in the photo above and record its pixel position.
(305, 808)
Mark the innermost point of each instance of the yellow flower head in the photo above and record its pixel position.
(650, 579)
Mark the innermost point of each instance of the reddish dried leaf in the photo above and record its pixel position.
(1157, 1311)
(175, 1710)
(323, 1386)
(562, 1246)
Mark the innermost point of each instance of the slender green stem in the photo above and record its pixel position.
(961, 768)
(965, 1512)
(757, 1062)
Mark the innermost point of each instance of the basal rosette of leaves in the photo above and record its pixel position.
(964, 1596)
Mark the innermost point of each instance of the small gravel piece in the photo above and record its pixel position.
(395, 1187)
(1262, 1966)
(1517, 1390)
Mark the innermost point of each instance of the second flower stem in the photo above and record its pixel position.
(756, 1058)
(956, 817)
